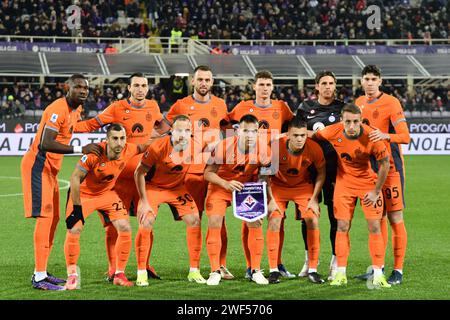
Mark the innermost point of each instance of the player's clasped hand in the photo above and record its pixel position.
(377, 135)
(93, 148)
(144, 211)
(371, 197)
(233, 185)
(313, 205)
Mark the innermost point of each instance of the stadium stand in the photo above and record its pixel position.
(306, 19)
(426, 89)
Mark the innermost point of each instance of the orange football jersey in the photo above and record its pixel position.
(293, 168)
(137, 121)
(167, 166)
(102, 173)
(354, 155)
(237, 165)
(270, 118)
(385, 113)
(207, 118)
(60, 118)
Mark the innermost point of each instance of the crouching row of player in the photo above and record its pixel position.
(234, 161)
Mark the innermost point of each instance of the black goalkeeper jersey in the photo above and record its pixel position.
(313, 112)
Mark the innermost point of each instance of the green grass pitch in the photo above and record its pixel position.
(426, 269)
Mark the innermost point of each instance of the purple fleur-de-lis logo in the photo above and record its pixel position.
(250, 202)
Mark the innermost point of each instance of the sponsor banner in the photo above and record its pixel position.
(26, 126)
(428, 144)
(12, 144)
(429, 128)
(416, 125)
(250, 204)
(341, 49)
(52, 47)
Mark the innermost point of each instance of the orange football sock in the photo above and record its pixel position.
(142, 247)
(194, 244)
(256, 246)
(55, 221)
(399, 242)
(342, 248)
(110, 243)
(384, 231)
(244, 238)
(313, 239)
(123, 248)
(213, 244)
(42, 231)
(223, 249)
(376, 249)
(150, 249)
(72, 248)
(273, 242)
(281, 243)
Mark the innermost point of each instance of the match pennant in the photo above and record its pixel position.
(250, 204)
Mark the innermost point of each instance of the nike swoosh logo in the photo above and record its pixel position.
(125, 118)
(310, 117)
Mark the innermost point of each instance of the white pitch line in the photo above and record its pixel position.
(21, 194)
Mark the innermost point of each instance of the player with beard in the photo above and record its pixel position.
(208, 115)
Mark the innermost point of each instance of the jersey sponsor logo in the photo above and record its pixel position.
(84, 158)
(203, 122)
(177, 168)
(54, 117)
(263, 124)
(137, 127)
(239, 169)
(346, 156)
(306, 163)
(108, 178)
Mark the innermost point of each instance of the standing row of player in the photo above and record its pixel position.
(186, 189)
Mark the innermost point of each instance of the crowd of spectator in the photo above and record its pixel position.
(16, 99)
(236, 19)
